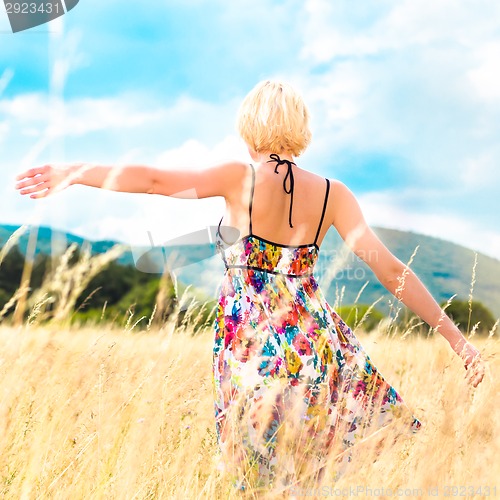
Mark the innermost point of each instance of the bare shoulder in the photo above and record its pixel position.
(231, 168)
(233, 174)
(338, 191)
(219, 179)
(338, 188)
(341, 202)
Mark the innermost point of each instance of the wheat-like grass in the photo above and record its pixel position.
(20, 292)
(12, 241)
(62, 286)
(472, 283)
(100, 412)
(105, 413)
(392, 325)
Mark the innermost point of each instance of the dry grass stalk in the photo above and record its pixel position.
(104, 413)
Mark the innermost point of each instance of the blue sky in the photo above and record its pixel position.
(404, 97)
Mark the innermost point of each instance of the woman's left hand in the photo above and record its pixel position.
(473, 361)
(40, 182)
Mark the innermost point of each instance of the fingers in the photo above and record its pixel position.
(33, 181)
(475, 362)
(35, 189)
(475, 371)
(40, 191)
(476, 380)
(32, 172)
(41, 194)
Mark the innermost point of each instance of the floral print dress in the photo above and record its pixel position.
(275, 329)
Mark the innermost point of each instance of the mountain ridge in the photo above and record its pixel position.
(444, 267)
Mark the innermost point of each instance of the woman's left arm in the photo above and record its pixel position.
(216, 180)
(398, 278)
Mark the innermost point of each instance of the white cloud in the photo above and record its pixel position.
(80, 116)
(195, 154)
(478, 171)
(159, 218)
(416, 81)
(485, 77)
(332, 28)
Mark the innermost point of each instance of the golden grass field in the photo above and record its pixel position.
(102, 411)
(96, 412)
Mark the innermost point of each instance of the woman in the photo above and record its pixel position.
(277, 340)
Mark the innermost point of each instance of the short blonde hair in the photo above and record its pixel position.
(274, 118)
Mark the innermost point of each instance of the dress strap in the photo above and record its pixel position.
(324, 209)
(218, 232)
(251, 199)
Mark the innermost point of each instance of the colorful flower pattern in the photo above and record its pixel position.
(273, 325)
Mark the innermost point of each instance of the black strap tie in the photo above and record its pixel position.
(289, 175)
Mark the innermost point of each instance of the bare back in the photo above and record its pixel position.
(260, 205)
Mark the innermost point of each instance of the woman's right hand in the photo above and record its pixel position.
(40, 182)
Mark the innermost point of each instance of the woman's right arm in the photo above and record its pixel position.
(398, 278)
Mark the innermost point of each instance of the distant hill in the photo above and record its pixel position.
(445, 268)
(47, 235)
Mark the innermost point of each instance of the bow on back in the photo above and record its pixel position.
(288, 176)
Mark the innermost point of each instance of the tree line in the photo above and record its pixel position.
(119, 292)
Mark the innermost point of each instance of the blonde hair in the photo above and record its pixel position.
(274, 118)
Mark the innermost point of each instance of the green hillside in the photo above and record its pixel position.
(47, 235)
(445, 268)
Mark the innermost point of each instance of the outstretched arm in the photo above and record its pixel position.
(217, 180)
(396, 277)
